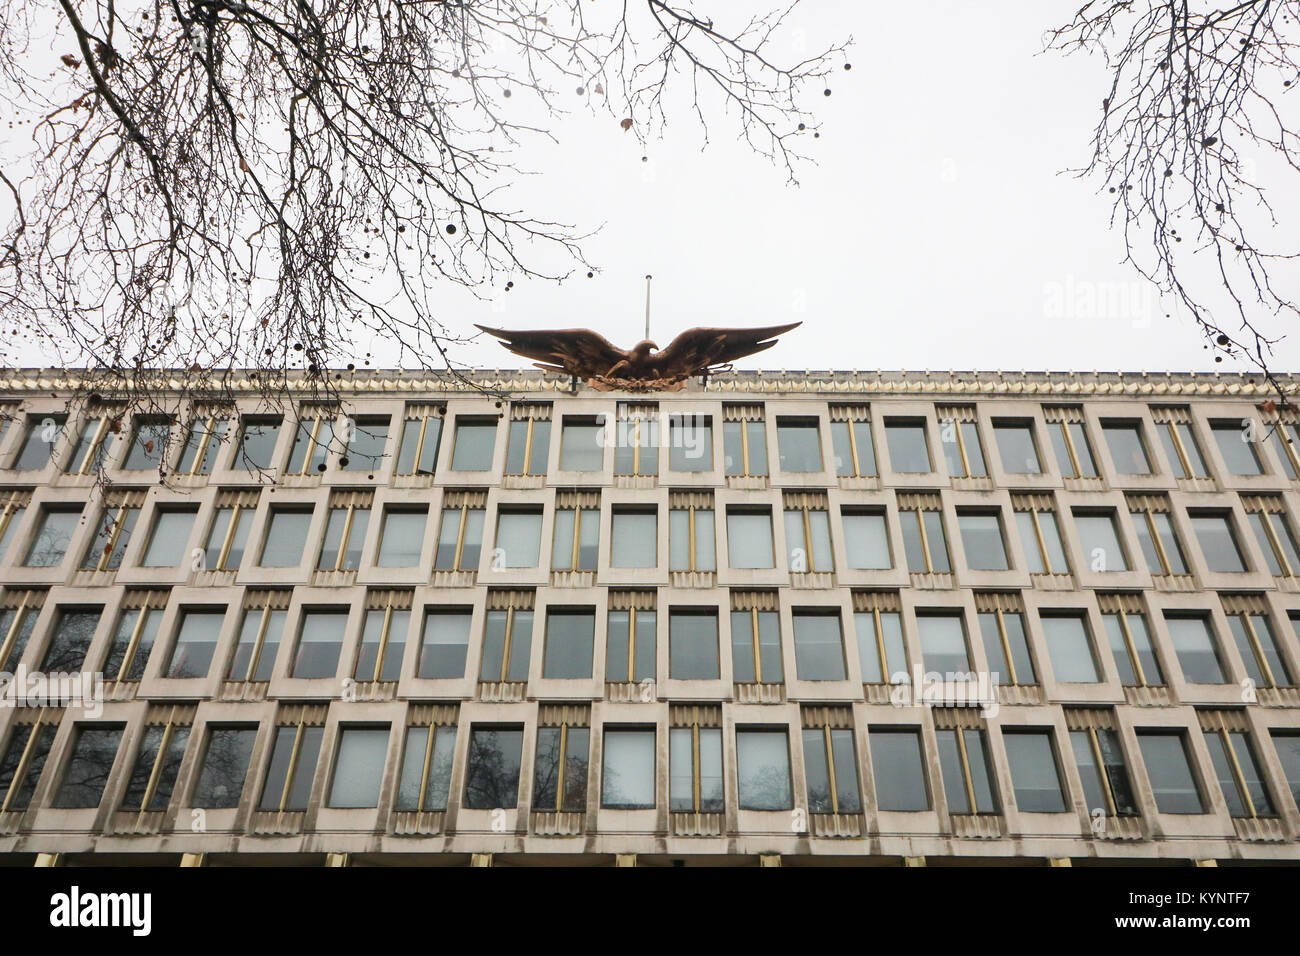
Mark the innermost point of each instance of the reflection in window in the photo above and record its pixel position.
(128, 655)
(763, 769)
(967, 771)
(693, 645)
(695, 769)
(369, 441)
(74, 630)
(53, 535)
(227, 538)
(749, 539)
(909, 452)
(628, 773)
(23, 761)
(570, 643)
(560, 770)
(1069, 648)
(224, 768)
(112, 535)
(196, 642)
(320, 643)
(445, 644)
(899, 770)
(1169, 768)
(38, 444)
(426, 768)
(94, 749)
(359, 767)
(492, 768)
(202, 443)
(286, 536)
(507, 643)
(1100, 759)
(756, 647)
(1196, 649)
(1034, 774)
(799, 444)
(831, 767)
(258, 438)
(818, 646)
(157, 764)
(292, 769)
(147, 444)
(1240, 777)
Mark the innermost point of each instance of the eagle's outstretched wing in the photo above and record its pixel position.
(576, 351)
(698, 349)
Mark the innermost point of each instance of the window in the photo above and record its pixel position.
(693, 644)
(749, 538)
(94, 750)
(582, 444)
(259, 643)
(157, 764)
(831, 770)
(866, 540)
(1253, 635)
(507, 644)
(1005, 645)
(881, 652)
(1017, 447)
(460, 537)
(690, 538)
(1127, 449)
(1102, 770)
(38, 444)
(1070, 441)
(1156, 535)
(1181, 447)
(630, 654)
(981, 537)
(286, 536)
(24, 759)
(320, 642)
(560, 770)
(899, 770)
(312, 442)
(1267, 517)
(528, 445)
(258, 438)
(383, 643)
(924, 541)
(1240, 777)
(401, 539)
(426, 768)
(366, 445)
(345, 535)
(202, 444)
(943, 645)
(224, 768)
(964, 763)
(570, 643)
(908, 450)
(147, 444)
(137, 630)
(53, 535)
(171, 533)
(474, 444)
(445, 644)
(113, 534)
(87, 456)
(359, 767)
(11, 516)
(1196, 648)
(744, 443)
(1035, 778)
(1126, 631)
(1287, 746)
(756, 647)
(634, 538)
(576, 543)
(196, 642)
(228, 537)
(629, 769)
(418, 454)
(1169, 769)
(799, 444)
(808, 534)
(1099, 541)
(690, 446)
(695, 769)
(763, 769)
(1069, 648)
(818, 646)
(852, 444)
(1237, 447)
(1218, 541)
(1040, 535)
(73, 633)
(292, 769)
(1284, 437)
(637, 450)
(963, 452)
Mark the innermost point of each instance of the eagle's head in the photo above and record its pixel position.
(641, 351)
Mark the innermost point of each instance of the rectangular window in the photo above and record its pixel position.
(112, 535)
(964, 762)
(313, 441)
(756, 647)
(286, 536)
(852, 443)
(148, 443)
(744, 445)
(228, 537)
(24, 759)
(1017, 447)
(383, 644)
(359, 767)
(1218, 541)
(1169, 768)
(1099, 541)
(320, 642)
(1130, 643)
(637, 451)
(73, 633)
(196, 642)
(1181, 447)
(628, 774)
(133, 641)
(224, 768)
(38, 443)
(690, 446)
(202, 444)
(1240, 777)
(1267, 517)
(630, 652)
(1040, 535)
(1035, 777)
(1006, 647)
(1196, 648)
(1285, 439)
(367, 443)
(881, 651)
(693, 644)
(1253, 635)
(460, 538)
(93, 753)
(831, 770)
(695, 769)
(690, 539)
(401, 539)
(763, 769)
(909, 452)
(292, 768)
(981, 537)
(1127, 450)
(799, 444)
(1156, 535)
(53, 536)
(260, 635)
(170, 535)
(866, 540)
(418, 454)
(899, 770)
(570, 643)
(1287, 745)
(87, 457)
(1236, 445)
(527, 446)
(749, 538)
(808, 537)
(924, 540)
(474, 444)
(576, 543)
(582, 444)
(444, 645)
(345, 536)
(943, 645)
(157, 764)
(1070, 441)
(818, 645)
(1069, 648)
(11, 516)
(1102, 770)
(426, 768)
(507, 644)
(634, 538)
(560, 770)
(959, 434)
(258, 437)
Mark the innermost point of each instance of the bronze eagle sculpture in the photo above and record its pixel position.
(644, 367)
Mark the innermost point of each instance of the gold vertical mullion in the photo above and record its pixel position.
(577, 536)
(1237, 774)
(152, 786)
(1182, 452)
(631, 644)
(830, 769)
(133, 645)
(428, 762)
(744, 447)
(528, 448)
(343, 539)
(1006, 645)
(259, 642)
(756, 647)
(1102, 776)
(559, 780)
(695, 765)
(807, 539)
(11, 636)
(1042, 542)
(967, 777)
(419, 445)
(853, 448)
(1275, 543)
(925, 540)
(1069, 447)
(460, 535)
(383, 641)
(636, 445)
(93, 447)
(505, 644)
(24, 762)
(690, 535)
(1156, 542)
(880, 646)
(114, 533)
(293, 763)
(961, 449)
(1127, 635)
(1258, 648)
(229, 542)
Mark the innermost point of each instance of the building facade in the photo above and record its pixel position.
(773, 618)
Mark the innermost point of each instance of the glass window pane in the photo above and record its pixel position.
(258, 438)
(94, 750)
(1099, 542)
(359, 767)
(1034, 776)
(799, 445)
(749, 539)
(402, 540)
(224, 767)
(943, 644)
(899, 771)
(1196, 649)
(690, 445)
(475, 443)
(908, 450)
(1237, 448)
(870, 642)
(1170, 773)
(445, 644)
(1218, 543)
(73, 633)
(320, 644)
(866, 541)
(286, 536)
(634, 539)
(693, 646)
(763, 770)
(1017, 449)
(1126, 448)
(1069, 649)
(981, 536)
(582, 446)
(196, 642)
(369, 443)
(437, 784)
(492, 768)
(171, 533)
(628, 774)
(570, 642)
(52, 538)
(818, 647)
